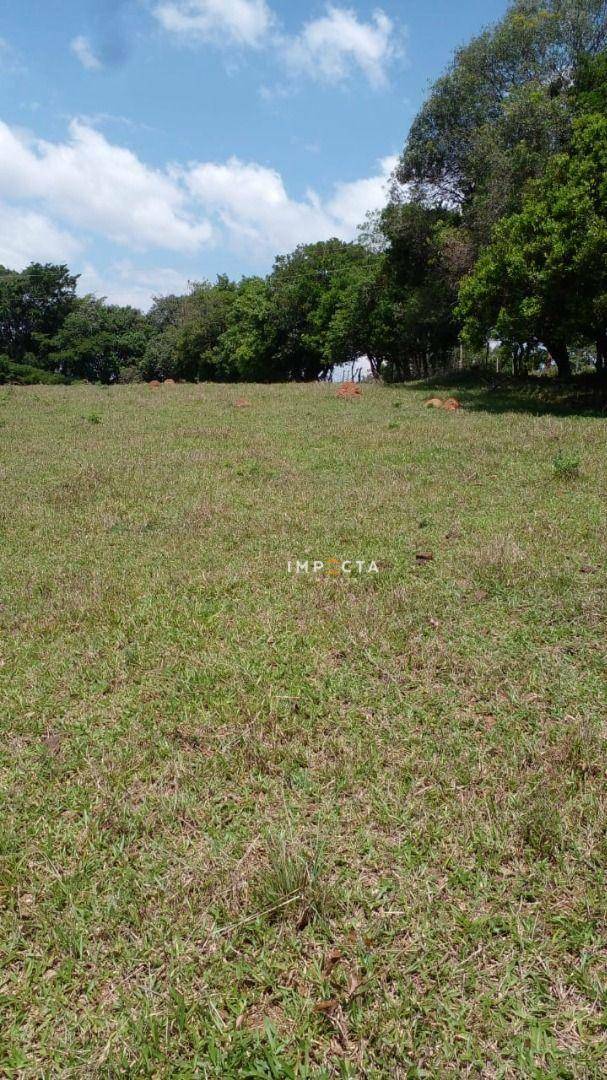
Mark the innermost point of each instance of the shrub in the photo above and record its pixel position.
(130, 373)
(27, 374)
(566, 465)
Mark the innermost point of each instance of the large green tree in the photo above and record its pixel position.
(305, 290)
(204, 318)
(589, 90)
(248, 345)
(502, 109)
(97, 341)
(398, 308)
(166, 311)
(543, 278)
(33, 306)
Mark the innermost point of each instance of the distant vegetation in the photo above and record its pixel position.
(496, 230)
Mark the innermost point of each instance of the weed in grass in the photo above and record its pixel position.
(583, 748)
(500, 559)
(566, 465)
(292, 883)
(541, 823)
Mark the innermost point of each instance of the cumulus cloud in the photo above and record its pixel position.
(123, 282)
(98, 186)
(352, 201)
(329, 48)
(27, 236)
(83, 50)
(254, 208)
(333, 46)
(55, 197)
(240, 22)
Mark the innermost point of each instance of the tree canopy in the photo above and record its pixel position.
(502, 109)
(33, 306)
(543, 277)
(97, 341)
(496, 228)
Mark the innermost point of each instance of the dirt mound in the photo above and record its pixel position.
(449, 405)
(349, 390)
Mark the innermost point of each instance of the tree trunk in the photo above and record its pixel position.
(560, 354)
(601, 354)
(375, 366)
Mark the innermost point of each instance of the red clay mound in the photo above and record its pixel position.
(349, 390)
(449, 405)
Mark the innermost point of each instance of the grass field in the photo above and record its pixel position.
(260, 824)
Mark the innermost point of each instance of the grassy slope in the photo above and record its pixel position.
(414, 762)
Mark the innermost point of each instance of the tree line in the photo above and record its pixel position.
(495, 232)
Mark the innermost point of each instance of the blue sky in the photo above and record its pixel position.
(152, 142)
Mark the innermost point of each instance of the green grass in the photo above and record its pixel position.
(261, 825)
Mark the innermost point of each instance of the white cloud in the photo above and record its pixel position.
(255, 210)
(251, 205)
(125, 283)
(333, 46)
(27, 236)
(98, 186)
(352, 201)
(241, 22)
(88, 186)
(329, 48)
(82, 49)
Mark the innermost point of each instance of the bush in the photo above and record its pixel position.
(28, 375)
(130, 373)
